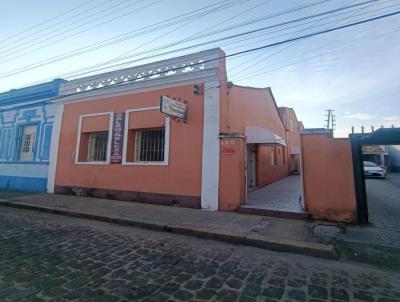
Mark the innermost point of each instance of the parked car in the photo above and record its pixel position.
(373, 170)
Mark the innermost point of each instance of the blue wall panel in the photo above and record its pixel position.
(27, 184)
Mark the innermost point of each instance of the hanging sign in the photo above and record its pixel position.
(173, 107)
(117, 137)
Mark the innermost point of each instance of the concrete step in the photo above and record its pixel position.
(273, 213)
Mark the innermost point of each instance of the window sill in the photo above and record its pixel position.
(146, 163)
(92, 163)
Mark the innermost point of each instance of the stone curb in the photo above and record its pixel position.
(235, 237)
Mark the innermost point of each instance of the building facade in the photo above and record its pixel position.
(26, 123)
(293, 128)
(112, 140)
(379, 154)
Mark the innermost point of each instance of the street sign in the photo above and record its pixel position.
(173, 107)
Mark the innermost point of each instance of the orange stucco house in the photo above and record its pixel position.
(111, 140)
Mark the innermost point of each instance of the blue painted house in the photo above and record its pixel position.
(26, 123)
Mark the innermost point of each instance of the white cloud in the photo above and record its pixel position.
(341, 133)
(391, 118)
(360, 116)
(347, 112)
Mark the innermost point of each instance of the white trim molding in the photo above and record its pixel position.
(78, 139)
(184, 70)
(167, 124)
(55, 141)
(187, 66)
(211, 146)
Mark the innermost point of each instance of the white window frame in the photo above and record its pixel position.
(42, 144)
(167, 125)
(35, 142)
(7, 152)
(78, 140)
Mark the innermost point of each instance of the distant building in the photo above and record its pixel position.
(378, 154)
(293, 128)
(26, 123)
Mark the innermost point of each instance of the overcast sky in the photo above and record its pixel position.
(355, 71)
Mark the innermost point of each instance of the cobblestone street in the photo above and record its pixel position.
(46, 257)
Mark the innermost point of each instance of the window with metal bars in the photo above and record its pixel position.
(149, 145)
(26, 142)
(97, 148)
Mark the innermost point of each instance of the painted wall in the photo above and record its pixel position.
(328, 180)
(271, 165)
(21, 107)
(182, 175)
(241, 107)
(293, 128)
(248, 106)
(232, 183)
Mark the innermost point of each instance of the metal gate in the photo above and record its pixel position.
(383, 136)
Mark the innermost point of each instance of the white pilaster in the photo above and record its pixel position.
(210, 161)
(55, 140)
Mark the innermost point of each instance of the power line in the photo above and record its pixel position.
(238, 35)
(292, 44)
(116, 59)
(317, 23)
(311, 55)
(228, 3)
(45, 22)
(236, 26)
(54, 28)
(190, 37)
(253, 49)
(75, 52)
(71, 35)
(132, 34)
(210, 9)
(270, 16)
(279, 67)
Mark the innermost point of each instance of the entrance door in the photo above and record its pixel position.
(251, 165)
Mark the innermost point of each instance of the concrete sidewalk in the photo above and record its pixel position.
(279, 199)
(265, 232)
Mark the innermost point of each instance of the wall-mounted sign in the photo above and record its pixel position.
(228, 151)
(117, 137)
(228, 142)
(173, 107)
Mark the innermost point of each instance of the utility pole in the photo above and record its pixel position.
(330, 119)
